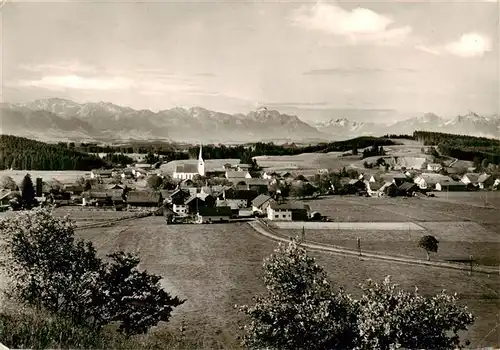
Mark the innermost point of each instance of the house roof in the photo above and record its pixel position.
(143, 165)
(434, 164)
(114, 187)
(244, 166)
(255, 182)
(473, 177)
(236, 174)
(452, 183)
(201, 196)
(72, 188)
(143, 197)
(187, 168)
(352, 181)
(102, 194)
(215, 211)
(227, 203)
(482, 178)
(289, 206)
(5, 193)
(387, 185)
(260, 199)
(242, 194)
(406, 186)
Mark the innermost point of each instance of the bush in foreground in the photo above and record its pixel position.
(301, 311)
(48, 268)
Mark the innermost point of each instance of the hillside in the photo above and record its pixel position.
(22, 153)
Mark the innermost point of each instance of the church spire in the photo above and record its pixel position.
(201, 163)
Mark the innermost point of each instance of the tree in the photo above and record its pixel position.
(50, 269)
(484, 164)
(355, 151)
(299, 311)
(87, 185)
(8, 183)
(154, 182)
(390, 318)
(28, 200)
(430, 244)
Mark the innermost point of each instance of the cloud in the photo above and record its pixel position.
(62, 82)
(359, 25)
(353, 71)
(468, 45)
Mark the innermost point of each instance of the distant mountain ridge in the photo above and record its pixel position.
(61, 119)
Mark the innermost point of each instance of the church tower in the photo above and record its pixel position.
(201, 164)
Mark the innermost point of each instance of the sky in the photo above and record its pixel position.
(319, 60)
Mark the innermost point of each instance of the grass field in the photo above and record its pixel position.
(85, 216)
(462, 229)
(217, 266)
(46, 175)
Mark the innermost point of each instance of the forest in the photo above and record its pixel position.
(463, 147)
(22, 153)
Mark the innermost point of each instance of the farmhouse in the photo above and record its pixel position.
(428, 181)
(237, 175)
(367, 178)
(485, 181)
(451, 186)
(386, 188)
(258, 185)
(471, 178)
(213, 214)
(288, 211)
(434, 167)
(73, 189)
(199, 200)
(407, 189)
(97, 198)
(373, 188)
(100, 173)
(261, 202)
(143, 199)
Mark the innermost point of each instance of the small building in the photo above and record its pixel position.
(355, 185)
(367, 178)
(289, 211)
(407, 189)
(243, 196)
(101, 173)
(373, 188)
(143, 199)
(268, 175)
(450, 186)
(428, 181)
(386, 188)
(471, 178)
(127, 173)
(97, 198)
(436, 167)
(261, 202)
(207, 215)
(485, 181)
(199, 200)
(73, 189)
(237, 175)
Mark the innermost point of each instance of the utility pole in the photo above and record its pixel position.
(303, 234)
(359, 246)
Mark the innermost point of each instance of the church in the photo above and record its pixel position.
(188, 171)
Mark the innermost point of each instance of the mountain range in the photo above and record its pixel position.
(61, 119)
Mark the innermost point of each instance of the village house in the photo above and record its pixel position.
(407, 189)
(258, 185)
(373, 188)
(236, 175)
(240, 196)
(127, 173)
(367, 178)
(261, 202)
(436, 167)
(355, 185)
(101, 174)
(207, 215)
(485, 181)
(471, 178)
(268, 175)
(286, 175)
(451, 186)
(289, 211)
(143, 200)
(428, 181)
(99, 198)
(386, 188)
(199, 200)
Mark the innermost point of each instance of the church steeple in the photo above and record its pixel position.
(201, 163)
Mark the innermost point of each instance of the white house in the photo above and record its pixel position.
(208, 215)
(261, 202)
(434, 167)
(279, 212)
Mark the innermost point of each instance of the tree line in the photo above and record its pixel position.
(463, 147)
(23, 153)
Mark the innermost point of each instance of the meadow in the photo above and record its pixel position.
(217, 266)
(46, 175)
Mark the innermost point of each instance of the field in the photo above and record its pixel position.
(217, 266)
(461, 229)
(86, 216)
(46, 175)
